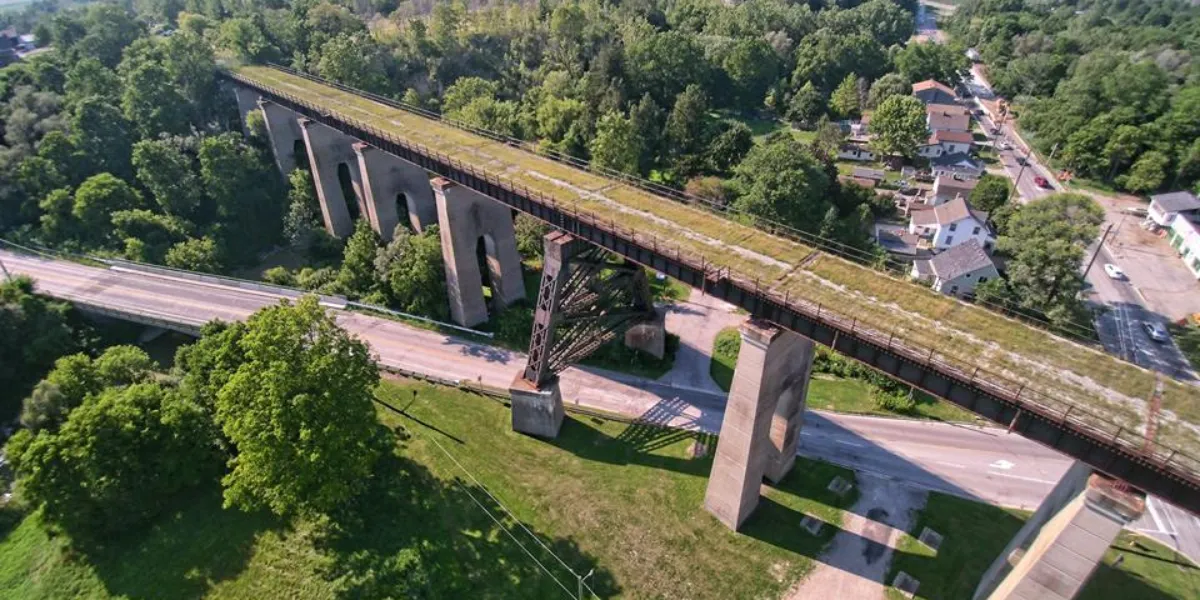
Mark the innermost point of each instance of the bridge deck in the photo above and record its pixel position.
(1058, 373)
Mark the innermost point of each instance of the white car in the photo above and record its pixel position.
(1156, 331)
(1114, 271)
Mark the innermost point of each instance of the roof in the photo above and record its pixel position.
(948, 108)
(930, 84)
(957, 159)
(865, 173)
(1176, 201)
(947, 119)
(964, 258)
(922, 268)
(960, 137)
(945, 214)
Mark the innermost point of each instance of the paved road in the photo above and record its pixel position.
(1014, 148)
(982, 463)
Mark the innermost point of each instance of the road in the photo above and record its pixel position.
(985, 99)
(981, 463)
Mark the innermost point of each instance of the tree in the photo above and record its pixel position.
(356, 278)
(170, 174)
(243, 185)
(781, 181)
(152, 103)
(729, 147)
(114, 462)
(34, 331)
(941, 62)
(412, 271)
(39, 176)
(844, 100)
(990, 193)
(647, 118)
(354, 60)
(687, 127)
(617, 145)
(303, 207)
(1148, 173)
(892, 84)
(97, 199)
(752, 66)
(664, 64)
(89, 77)
(195, 254)
(102, 137)
(899, 126)
(299, 412)
(147, 234)
(246, 41)
(806, 105)
(827, 141)
(1047, 239)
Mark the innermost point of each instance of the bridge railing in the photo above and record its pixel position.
(1028, 400)
(1077, 332)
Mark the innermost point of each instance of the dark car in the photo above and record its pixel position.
(1042, 183)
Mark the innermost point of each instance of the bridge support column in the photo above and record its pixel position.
(328, 149)
(767, 395)
(395, 190)
(247, 102)
(284, 131)
(467, 218)
(1057, 550)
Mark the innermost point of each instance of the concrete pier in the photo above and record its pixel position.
(536, 411)
(772, 369)
(284, 131)
(328, 149)
(247, 102)
(465, 218)
(789, 409)
(388, 181)
(1054, 554)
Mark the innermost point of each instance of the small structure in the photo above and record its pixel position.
(958, 270)
(1165, 207)
(942, 117)
(933, 92)
(1184, 236)
(949, 187)
(945, 141)
(956, 164)
(26, 42)
(950, 224)
(896, 239)
(853, 150)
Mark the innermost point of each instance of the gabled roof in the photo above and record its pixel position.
(945, 119)
(956, 159)
(948, 108)
(948, 185)
(964, 258)
(1176, 201)
(951, 212)
(930, 84)
(958, 137)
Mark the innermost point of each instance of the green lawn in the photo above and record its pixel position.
(976, 533)
(826, 392)
(625, 500)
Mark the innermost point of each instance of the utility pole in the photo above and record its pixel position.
(1097, 252)
(581, 579)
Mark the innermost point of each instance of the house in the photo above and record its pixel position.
(1165, 207)
(26, 42)
(855, 151)
(950, 224)
(933, 92)
(941, 117)
(958, 270)
(958, 164)
(1184, 236)
(948, 187)
(947, 142)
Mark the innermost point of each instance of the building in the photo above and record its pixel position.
(1165, 207)
(941, 117)
(948, 187)
(945, 141)
(855, 151)
(958, 164)
(950, 224)
(1184, 236)
(933, 92)
(958, 270)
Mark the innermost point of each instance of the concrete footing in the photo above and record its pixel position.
(466, 217)
(536, 411)
(328, 149)
(772, 369)
(388, 181)
(1059, 547)
(649, 337)
(284, 131)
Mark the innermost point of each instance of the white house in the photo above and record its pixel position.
(950, 224)
(949, 187)
(1184, 236)
(855, 151)
(958, 270)
(945, 142)
(1165, 207)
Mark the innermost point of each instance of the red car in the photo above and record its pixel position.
(1041, 182)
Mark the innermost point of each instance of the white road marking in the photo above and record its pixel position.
(1154, 514)
(950, 464)
(1002, 464)
(1022, 478)
(854, 444)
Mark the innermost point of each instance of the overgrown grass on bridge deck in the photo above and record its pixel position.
(626, 500)
(966, 333)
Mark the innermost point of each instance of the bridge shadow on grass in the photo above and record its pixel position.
(191, 546)
(412, 534)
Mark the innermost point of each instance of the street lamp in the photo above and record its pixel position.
(581, 580)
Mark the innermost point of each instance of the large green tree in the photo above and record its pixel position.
(1047, 240)
(618, 144)
(899, 126)
(34, 332)
(412, 271)
(781, 181)
(97, 199)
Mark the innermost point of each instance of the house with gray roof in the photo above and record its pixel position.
(957, 271)
(1165, 207)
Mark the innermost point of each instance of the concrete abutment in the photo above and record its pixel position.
(284, 130)
(387, 179)
(328, 149)
(761, 429)
(465, 217)
(1059, 547)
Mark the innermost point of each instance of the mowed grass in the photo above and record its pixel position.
(976, 533)
(624, 500)
(826, 392)
(969, 334)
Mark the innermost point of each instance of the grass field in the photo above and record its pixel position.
(625, 500)
(976, 533)
(973, 336)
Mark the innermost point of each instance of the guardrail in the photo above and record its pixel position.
(1163, 459)
(332, 301)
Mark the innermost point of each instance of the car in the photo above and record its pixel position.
(1042, 183)
(995, 131)
(1114, 271)
(1021, 160)
(1003, 145)
(1155, 331)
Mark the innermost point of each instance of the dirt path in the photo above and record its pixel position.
(857, 561)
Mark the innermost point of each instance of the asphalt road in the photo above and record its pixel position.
(981, 463)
